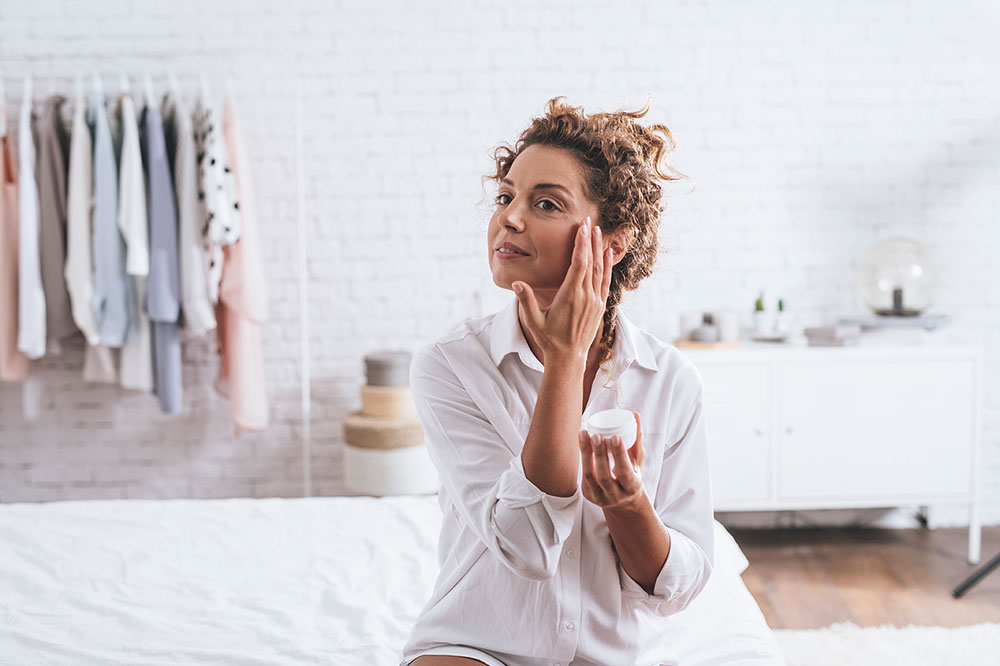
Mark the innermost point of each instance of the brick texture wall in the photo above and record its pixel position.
(810, 132)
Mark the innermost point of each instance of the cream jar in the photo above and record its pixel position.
(609, 423)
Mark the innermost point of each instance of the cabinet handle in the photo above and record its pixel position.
(757, 431)
(789, 430)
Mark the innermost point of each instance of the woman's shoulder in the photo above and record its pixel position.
(466, 344)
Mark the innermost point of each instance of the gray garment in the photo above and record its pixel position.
(197, 312)
(52, 140)
(111, 294)
(163, 289)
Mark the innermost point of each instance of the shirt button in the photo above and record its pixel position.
(571, 553)
(569, 625)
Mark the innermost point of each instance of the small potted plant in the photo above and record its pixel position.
(781, 322)
(763, 322)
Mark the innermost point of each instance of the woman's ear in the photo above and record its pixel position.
(619, 246)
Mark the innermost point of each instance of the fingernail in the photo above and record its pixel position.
(597, 230)
(518, 288)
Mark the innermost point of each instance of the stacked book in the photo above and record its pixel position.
(840, 335)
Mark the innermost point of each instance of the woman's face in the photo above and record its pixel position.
(539, 207)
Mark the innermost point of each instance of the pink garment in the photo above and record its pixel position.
(14, 365)
(242, 304)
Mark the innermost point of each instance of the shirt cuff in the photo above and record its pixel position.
(517, 492)
(679, 581)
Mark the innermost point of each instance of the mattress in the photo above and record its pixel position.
(327, 580)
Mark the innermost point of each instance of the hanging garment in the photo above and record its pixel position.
(137, 352)
(163, 299)
(111, 297)
(14, 365)
(220, 207)
(53, 138)
(31, 295)
(242, 300)
(98, 363)
(197, 314)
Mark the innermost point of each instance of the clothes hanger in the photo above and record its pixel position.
(147, 81)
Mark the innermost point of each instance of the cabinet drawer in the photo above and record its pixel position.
(736, 410)
(874, 429)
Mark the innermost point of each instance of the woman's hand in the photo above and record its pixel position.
(599, 485)
(573, 320)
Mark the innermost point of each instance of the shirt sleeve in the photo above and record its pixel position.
(684, 503)
(519, 523)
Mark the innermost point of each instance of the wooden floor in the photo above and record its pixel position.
(810, 578)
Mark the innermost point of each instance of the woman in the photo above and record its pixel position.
(546, 555)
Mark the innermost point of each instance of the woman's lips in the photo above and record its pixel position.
(509, 255)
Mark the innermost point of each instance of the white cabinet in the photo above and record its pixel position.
(737, 408)
(825, 428)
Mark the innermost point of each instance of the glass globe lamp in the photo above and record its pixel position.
(898, 277)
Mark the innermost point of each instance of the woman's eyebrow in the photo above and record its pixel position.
(541, 186)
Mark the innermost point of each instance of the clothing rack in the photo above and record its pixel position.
(30, 388)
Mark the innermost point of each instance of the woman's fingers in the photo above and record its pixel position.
(533, 315)
(602, 468)
(609, 266)
(640, 451)
(625, 470)
(578, 265)
(598, 272)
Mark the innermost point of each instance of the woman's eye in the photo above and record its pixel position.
(503, 199)
(547, 205)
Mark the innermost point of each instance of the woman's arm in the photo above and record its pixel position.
(565, 333)
(550, 455)
(640, 539)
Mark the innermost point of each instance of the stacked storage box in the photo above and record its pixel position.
(384, 442)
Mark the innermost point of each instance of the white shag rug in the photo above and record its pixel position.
(847, 644)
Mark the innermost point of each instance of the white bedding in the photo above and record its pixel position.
(332, 580)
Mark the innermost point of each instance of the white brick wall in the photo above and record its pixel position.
(810, 130)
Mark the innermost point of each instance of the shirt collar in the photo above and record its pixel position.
(506, 338)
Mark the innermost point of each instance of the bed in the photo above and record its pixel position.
(326, 580)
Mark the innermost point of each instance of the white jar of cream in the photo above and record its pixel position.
(613, 422)
(609, 423)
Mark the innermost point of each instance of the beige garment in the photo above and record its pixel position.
(52, 135)
(14, 366)
(242, 302)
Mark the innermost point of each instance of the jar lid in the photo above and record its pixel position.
(611, 421)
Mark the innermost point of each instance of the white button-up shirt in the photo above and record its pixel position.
(531, 578)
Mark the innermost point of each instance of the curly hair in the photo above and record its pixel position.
(624, 165)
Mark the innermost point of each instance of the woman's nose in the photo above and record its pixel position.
(512, 216)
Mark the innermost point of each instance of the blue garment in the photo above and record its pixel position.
(111, 295)
(163, 290)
